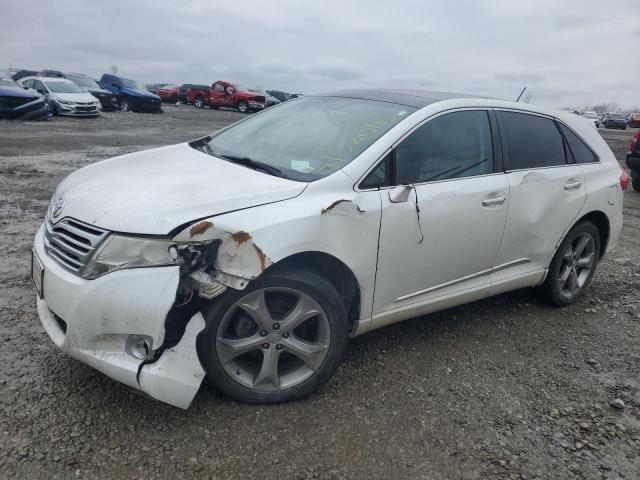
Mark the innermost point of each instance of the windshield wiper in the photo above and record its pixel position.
(255, 164)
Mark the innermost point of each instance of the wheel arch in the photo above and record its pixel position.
(601, 221)
(334, 270)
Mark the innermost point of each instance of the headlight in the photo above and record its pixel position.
(118, 252)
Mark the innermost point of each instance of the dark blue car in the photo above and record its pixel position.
(16, 102)
(131, 95)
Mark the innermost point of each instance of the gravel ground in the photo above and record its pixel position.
(502, 388)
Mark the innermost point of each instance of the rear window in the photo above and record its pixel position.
(530, 141)
(581, 153)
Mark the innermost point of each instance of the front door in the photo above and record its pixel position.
(442, 223)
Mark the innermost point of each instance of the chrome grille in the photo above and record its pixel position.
(71, 242)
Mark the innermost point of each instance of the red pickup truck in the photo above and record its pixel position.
(232, 95)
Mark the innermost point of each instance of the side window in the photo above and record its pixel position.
(380, 176)
(530, 141)
(581, 153)
(28, 83)
(39, 86)
(218, 87)
(453, 145)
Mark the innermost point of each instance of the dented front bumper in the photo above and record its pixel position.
(91, 321)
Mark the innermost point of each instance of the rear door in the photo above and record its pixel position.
(546, 193)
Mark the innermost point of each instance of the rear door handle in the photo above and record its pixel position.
(488, 202)
(574, 185)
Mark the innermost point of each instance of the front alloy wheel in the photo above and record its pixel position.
(269, 345)
(124, 105)
(278, 340)
(199, 102)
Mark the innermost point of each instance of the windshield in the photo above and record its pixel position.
(591, 115)
(617, 116)
(310, 138)
(63, 86)
(126, 83)
(241, 88)
(7, 82)
(83, 81)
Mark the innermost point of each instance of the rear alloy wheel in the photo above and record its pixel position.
(124, 105)
(199, 102)
(243, 107)
(279, 340)
(572, 266)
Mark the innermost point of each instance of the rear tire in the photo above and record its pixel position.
(199, 101)
(243, 107)
(572, 266)
(292, 323)
(635, 182)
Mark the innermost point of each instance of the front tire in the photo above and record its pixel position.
(124, 105)
(572, 266)
(199, 102)
(278, 340)
(635, 182)
(243, 107)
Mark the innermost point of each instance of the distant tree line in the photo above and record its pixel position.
(604, 107)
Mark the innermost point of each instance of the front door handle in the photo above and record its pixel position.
(573, 185)
(488, 202)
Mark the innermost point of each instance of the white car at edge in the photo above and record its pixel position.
(63, 96)
(253, 254)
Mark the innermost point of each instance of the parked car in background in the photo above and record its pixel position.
(233, 95)
(24, 73)
(614, 120)
(131, 95)
(18, 103)
(194, 94)
(64, 97)
(107, 99)
(168, 93)
(253, 254)
(51, 74)
(594, 117)
(634, 120)
(633, 161)
(154, 87)
(282, 96)
(269, 100)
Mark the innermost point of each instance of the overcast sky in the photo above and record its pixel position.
(567, 52)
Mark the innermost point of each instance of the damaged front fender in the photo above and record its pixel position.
(238, 258)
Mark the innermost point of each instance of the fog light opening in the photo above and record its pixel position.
(139, 346)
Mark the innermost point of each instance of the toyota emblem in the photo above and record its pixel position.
(57, 207)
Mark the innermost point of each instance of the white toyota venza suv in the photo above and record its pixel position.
(253, 254)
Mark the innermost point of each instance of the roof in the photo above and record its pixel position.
(410, 98)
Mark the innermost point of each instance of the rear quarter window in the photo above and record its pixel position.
(530, 141)
(579, 149)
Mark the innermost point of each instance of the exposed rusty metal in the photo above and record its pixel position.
(240, 237)
(261, 256)
(338, 202)
(200, 228)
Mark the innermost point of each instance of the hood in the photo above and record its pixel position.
(17, 91)
(98, 91)
(134, 92)
(154, 191)
(74, 97)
